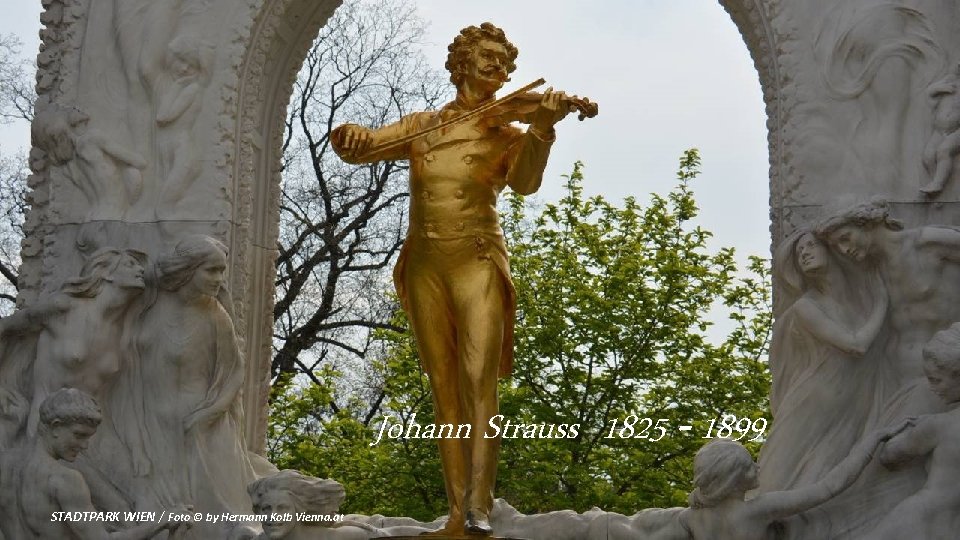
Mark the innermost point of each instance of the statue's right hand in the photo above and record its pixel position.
(351, 141)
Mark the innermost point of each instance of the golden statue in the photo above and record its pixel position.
(452, 275)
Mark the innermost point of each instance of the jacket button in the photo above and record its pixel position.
(460, 226)
(429, 158)
(459, 194)
(468, 159)
(425, 195)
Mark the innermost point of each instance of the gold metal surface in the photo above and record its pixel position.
(452, 275)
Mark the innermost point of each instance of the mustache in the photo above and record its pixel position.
(498, 72)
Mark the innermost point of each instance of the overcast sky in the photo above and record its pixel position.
(667, 74)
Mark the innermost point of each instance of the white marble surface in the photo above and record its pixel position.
(862, 103)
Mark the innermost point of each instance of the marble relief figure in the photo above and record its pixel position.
(81, 337)
(724, 472)
(35, 481)
(935, 440)
(920, 267)
(105, 171)
(856, 362)
(873, 60)
(293, 493)
(824, 390)
(81, 346)
(181, 96)
(940, 154)
(191, 372)
(162, 357)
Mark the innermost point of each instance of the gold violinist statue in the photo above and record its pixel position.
(452, 275)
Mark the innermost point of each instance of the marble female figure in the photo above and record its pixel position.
(823, 392)
(191, 371)
(81, 345)
(921, 270)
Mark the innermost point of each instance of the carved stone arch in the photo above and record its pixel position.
(279, 40)
(755, 20)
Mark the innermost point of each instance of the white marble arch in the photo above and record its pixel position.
(259, 46)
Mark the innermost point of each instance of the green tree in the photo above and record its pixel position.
(395, 477)
(616, 304)
(615, 307)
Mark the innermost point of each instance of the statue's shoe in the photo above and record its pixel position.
(478, 523)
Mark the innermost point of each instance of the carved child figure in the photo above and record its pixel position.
(35, 485)
(931, 512)
(942, 148)
(723, 472)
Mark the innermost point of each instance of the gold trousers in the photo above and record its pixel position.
(459, 299)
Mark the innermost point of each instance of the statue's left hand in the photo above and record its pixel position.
(553, 108)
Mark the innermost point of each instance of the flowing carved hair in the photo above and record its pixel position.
(97, 270)
(313, 496)
(864, 215)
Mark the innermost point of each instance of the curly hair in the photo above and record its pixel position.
(314, 496)
(868, 214)
(70, 406)
(463, 44)
(718, 470)
(943, 350)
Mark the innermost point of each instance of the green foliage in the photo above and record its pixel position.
(615, 309)
(310, 433)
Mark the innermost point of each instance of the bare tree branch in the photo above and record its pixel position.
(342, 226)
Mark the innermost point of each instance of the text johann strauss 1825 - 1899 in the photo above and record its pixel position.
(632, 427)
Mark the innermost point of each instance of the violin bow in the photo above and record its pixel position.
(455, 120)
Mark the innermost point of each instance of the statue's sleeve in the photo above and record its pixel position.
(390, 132)
(526, 158)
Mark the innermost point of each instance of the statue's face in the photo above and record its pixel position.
(487, 68)
(944, 382)
(68, 440)
(276, 504)
(128, 274)
(208, 278)
(811, 254)
(852, 241)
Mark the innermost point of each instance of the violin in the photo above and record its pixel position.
(521, 108)
(517, 106)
